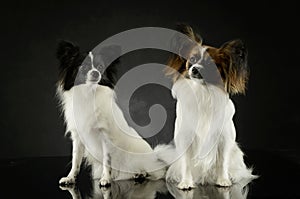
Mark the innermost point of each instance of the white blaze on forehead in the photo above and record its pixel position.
(202, 51)
(92, 58)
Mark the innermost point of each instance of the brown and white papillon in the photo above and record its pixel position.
(203, 83)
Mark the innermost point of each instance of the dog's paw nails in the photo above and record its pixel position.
(106, 192)
(185, 186)
(68, 187)
(104, 182)
(67, 181)
(223, 182)
(140, 177)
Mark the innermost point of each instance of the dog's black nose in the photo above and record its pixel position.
(95, 74)
(195, 70)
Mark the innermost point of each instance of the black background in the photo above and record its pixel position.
(267, 117)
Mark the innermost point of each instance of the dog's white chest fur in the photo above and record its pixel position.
(95, 119)
(202, 112)
(205, 137)
(80, 109)
(92, 108)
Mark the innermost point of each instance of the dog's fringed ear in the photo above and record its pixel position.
(67, 53)
(184, 41)
(107, 61)
(237, 51)
(234, 58)
(188, 30)
(181, 44)
(108, 55)
(70, 59)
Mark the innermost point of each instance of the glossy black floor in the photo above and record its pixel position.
(38, 178)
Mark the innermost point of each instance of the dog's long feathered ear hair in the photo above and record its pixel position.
(70, 60)
(67, 53)
(232, 65)
(182, 47)
(188, 30)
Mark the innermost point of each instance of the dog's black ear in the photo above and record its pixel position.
(108, 57)
(67, 53)
(70, 59)
(109, 54)
(237, 50)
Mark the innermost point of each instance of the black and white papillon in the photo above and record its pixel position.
(98, 128)
(205, 111)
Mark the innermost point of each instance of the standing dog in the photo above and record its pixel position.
(98, 128)
(205, 111)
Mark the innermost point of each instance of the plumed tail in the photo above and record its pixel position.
(166, 153)
(239, 172)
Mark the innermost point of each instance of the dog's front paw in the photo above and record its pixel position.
(223, 182)
(69, 180)
(140, 177)
(104, 182)
(106, 192)
(183, 185)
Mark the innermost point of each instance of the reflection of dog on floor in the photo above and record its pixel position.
(122, 189)
(93, 118)
(204, 109)
(236, 191)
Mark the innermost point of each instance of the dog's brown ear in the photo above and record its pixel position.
(188, 30)
(181, 45)
(234, 61)
(185, 40)
(237, 51)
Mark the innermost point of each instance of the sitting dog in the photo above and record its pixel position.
(98, 128)
(203, 84)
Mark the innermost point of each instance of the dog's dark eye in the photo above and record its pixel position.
(84, 69)
(193, 60)
(100, 67)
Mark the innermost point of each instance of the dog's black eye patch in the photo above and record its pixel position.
(84, 69)
(100, 67)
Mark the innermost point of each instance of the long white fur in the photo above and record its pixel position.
(221, 164)
(92, 116)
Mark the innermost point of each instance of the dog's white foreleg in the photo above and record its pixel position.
(186, 182)
(223, 162)
(106, 173)
(77, 156)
